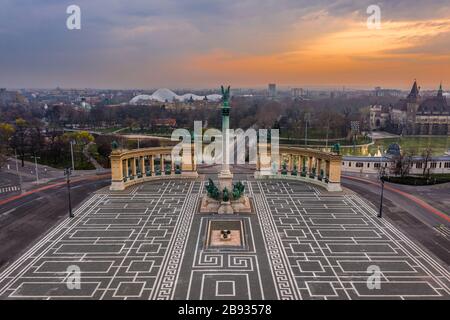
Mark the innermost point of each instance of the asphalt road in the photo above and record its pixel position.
(24, 220)
(408, 213)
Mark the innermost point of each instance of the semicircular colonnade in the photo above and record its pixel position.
(130, 167)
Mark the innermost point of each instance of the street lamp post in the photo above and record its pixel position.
(71, 153)
(67, 173)
(36, 167)
(380, 212)
(17, 170)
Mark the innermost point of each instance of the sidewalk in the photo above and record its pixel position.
(382, 135)
(10, 181)
(91, 159)
(436, 195)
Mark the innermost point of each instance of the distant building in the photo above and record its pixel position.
(84, 105)
(379, 116)
(164, 123)
(436, 165)
(414, 115)
(380, 92)
(296, 93)
(272, 90)
(11, 97)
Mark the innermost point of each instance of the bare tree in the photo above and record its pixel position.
(426, 158)
(20, 138)
(401, 164)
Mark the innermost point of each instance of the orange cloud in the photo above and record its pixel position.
(351, 55)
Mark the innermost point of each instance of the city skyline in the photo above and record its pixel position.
(199, 44)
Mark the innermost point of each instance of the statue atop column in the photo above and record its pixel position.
(226, 96)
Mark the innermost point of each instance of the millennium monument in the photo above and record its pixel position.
(161, 232)
(229, 198)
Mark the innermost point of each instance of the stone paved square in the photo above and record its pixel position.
(300, 243)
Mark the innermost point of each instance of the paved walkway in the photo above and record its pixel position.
(91, 159)
(382, 135)
(300, 243)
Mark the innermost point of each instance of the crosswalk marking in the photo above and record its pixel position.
(9, 189)
(443, 230)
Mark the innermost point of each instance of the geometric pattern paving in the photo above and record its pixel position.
(150, 243)
(328, 242)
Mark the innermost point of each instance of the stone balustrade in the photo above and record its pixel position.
(129, 167)
(309, 165)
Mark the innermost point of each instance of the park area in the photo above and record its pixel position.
(415, 145)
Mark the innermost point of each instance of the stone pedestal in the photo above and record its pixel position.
(225, 180)
(209, 205)
(241, 205)
(225, 208)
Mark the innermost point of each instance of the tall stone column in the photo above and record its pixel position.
(225, 176)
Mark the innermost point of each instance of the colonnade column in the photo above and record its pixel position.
(133, 166)
(194, 161)
(152, 164)
(310, 159)
(280, 163)
(319, 166)
(327, 169)
(124, 168)
(143, 171)
(172, 165)
(161, 164)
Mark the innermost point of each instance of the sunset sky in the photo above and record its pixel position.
(204, 43)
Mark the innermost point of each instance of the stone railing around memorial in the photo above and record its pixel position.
(308, 165)
(129, 167)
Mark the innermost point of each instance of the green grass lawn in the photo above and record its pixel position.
(421, 181)
(331, 142)
(80, 162)
(416, 145)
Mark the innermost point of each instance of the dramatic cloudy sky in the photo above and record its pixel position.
(203, 43)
